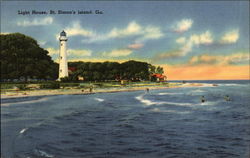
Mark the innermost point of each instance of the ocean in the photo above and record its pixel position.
(165, 123)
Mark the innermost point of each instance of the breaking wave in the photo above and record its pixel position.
(169, 93)
(43, 153)
(148, 102)
(25, 102)
(230, 84)
(197, 91)
(169, 111)
(99, 99)
(23, 130)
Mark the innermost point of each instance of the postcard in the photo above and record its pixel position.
(125, 79)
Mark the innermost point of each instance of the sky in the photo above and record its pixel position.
(189, 39)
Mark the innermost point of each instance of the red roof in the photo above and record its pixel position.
(72, 69)
(159, 76)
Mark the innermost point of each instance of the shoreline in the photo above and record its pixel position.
(53, 92)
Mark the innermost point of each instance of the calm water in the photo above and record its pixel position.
(159, 124)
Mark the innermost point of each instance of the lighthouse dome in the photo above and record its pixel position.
(63, 33)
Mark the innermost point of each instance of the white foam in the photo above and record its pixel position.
(43, 153)
(169, 111)
(230, 84)
(207, 85)
(145, 101)
(197, 91)
(99, 99)
(209, 103)
(169, 93)
(150, 102)
(5, 104)
(23, 130)
(180, 104)
(25, 102)
(155, 110)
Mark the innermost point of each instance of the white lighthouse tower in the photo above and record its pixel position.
(63, 64)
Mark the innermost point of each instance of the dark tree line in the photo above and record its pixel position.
(97, 71)
(22, 57)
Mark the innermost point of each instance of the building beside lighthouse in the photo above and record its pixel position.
(63, 64)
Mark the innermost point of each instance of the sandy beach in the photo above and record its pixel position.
(40, 92)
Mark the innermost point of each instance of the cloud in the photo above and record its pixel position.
(52, 51)
(168, 55)
(183, 25)
(79, 52)
(118, 53)
(204, 59)
(42, 43)
(187, 46)
(174, 53)
(77, 30)
(204, 38)
(238, 58)
(149, 33)
(181, 40)
(196, 40)
(36, 22)
(135, 46)
(70, 52)
(5, 33)
(232, 59)
(133, 29)
(230, 37)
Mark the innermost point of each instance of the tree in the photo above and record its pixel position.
(151, 69)
(21, 56)
(96, 71)
(159, 70)
(135, 70)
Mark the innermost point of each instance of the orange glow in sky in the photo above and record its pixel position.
(207, 72)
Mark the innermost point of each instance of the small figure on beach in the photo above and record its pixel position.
(227, 98)
(147, 89)
(203, 99)
(91, 89)
(82, 90)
